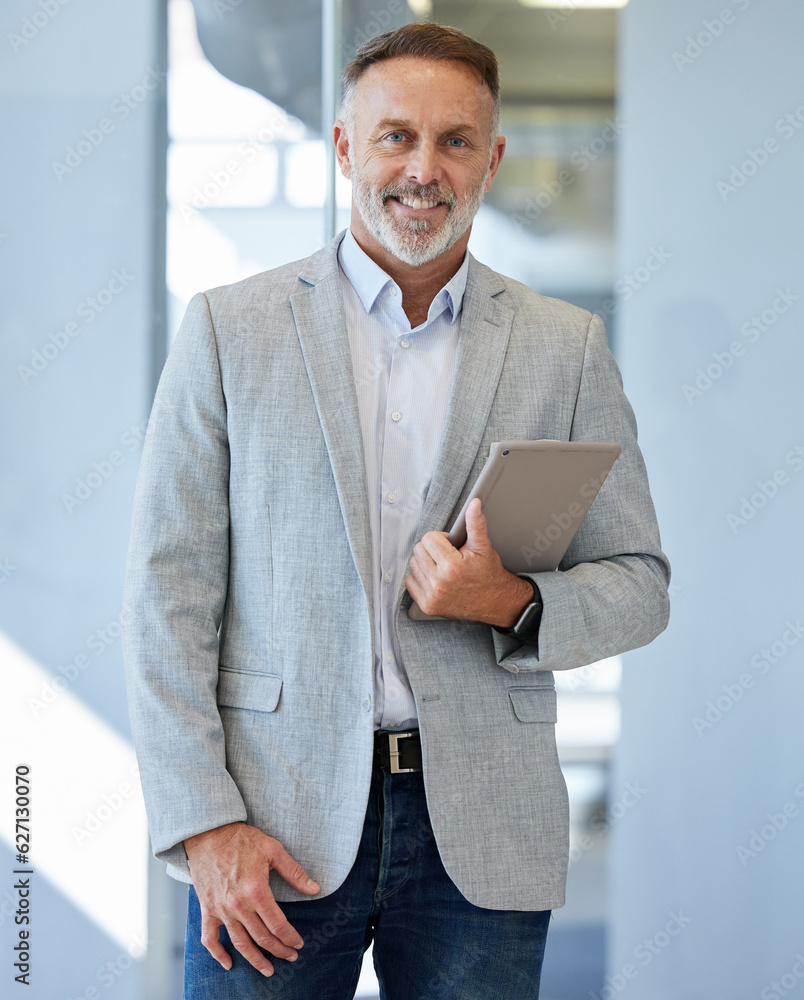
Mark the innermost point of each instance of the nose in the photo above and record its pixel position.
(424, 164)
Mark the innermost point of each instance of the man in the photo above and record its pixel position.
(316, 429)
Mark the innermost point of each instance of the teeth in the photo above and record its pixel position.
(418, 203)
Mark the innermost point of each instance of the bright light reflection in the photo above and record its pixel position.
(88, 829)
(572, 5)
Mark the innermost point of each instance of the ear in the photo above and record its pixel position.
(496, 157)
(340, 138)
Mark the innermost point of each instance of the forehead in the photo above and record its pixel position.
(422, 91)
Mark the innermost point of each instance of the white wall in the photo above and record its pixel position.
(712, 258)
(81, 286)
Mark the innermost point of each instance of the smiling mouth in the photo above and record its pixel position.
(417, 203)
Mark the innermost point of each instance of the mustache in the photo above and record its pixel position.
(427, 192)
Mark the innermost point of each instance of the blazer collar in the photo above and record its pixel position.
(317, 306)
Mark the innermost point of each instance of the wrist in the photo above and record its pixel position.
(521, 596)
(526, 621)
(226, 831)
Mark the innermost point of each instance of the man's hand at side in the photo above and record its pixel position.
(469, 582)
(230, 866)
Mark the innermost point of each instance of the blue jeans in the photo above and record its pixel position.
(430, 943)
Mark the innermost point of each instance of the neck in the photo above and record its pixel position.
(419, 284)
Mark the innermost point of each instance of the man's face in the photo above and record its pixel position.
(419, 154)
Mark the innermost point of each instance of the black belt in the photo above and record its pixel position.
(402, 752)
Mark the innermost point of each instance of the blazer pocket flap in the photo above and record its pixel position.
(537, 704)
(242, 689)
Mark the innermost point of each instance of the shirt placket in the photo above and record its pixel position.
(394, 512)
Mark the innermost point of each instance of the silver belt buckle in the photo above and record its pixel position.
(393, 746)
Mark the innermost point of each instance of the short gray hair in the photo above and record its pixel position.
(425, 41)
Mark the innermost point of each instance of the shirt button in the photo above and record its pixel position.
(404, 342)
(391, 498)
(392, 290)
(367, 703)
(387, 578)
(396, 415)
(389, 658)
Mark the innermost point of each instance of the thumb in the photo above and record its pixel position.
(477, 535)
(292, 872)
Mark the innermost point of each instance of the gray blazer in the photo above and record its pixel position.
(248, 601)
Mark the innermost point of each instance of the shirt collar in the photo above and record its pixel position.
(369, 280)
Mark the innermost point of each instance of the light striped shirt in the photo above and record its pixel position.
(402, 377)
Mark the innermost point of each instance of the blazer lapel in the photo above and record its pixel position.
(482, 343)
(318, 311)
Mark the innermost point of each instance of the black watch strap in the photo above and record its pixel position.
(528, 623)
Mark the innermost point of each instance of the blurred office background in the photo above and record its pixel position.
(652, 175)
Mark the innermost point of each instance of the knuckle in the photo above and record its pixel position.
(295, 871)
(243, 900)
(276, 926)
(250, 893)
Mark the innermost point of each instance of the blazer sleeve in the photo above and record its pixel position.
(175, 591)
(609, 594)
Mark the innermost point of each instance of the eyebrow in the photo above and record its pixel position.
(400, 123)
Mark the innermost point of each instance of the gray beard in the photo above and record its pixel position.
(417, 241)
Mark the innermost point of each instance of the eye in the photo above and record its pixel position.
(395, 136)
(457, 142)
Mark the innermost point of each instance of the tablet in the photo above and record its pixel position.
(535, 495)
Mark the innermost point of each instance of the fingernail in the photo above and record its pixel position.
(293, 957)
(313, 885)
(267, 972)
